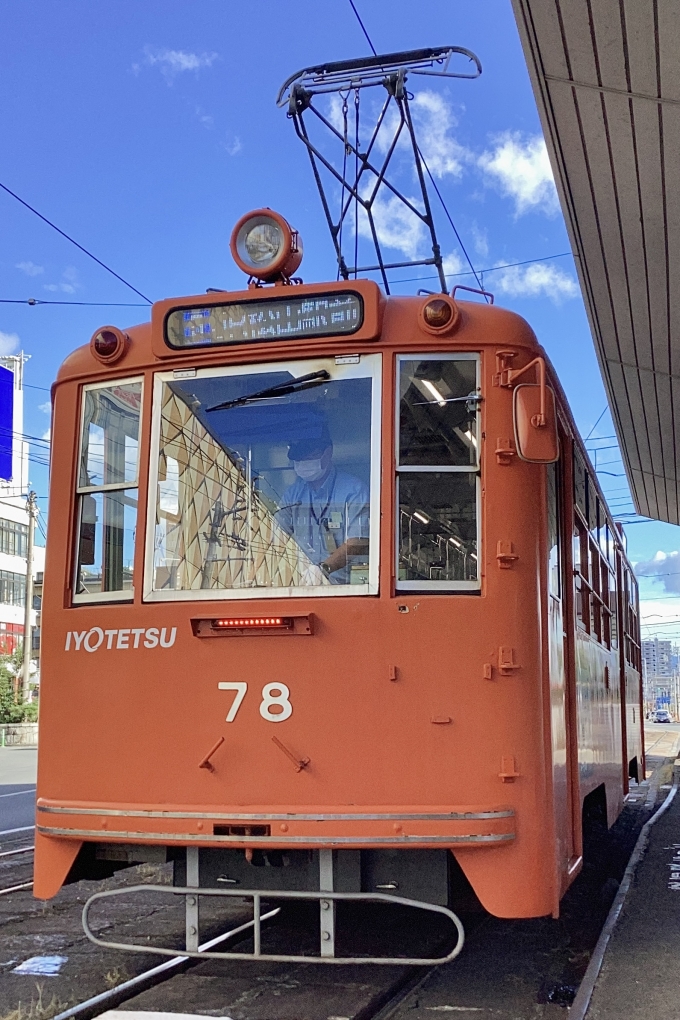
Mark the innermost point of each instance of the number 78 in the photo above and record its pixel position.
(280, 699)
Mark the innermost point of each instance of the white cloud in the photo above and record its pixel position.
(453, 264)
(433, 121)
(30, 268)
(665, 566)
(480, 240)
(9, 342)
(521, 170)
(46, 408)
(68, 284)
(234, 146)
(396, 226)
(537, 280)
(205, 119)
(174, 62)
(47, 436)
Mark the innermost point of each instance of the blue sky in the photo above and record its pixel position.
(145, 130)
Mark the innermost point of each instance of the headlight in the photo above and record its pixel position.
(264, 245)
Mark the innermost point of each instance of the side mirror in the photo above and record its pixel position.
(536, 443)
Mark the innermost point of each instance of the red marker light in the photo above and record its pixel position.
(439, 315)
(244, 622)
(109, 344)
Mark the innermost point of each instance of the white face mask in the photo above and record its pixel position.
(309, 470)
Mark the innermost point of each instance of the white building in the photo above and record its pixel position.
(14, 524)
(656, 658)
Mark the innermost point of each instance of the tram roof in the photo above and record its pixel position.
(606, 78)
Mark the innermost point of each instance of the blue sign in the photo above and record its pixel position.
(6, 422)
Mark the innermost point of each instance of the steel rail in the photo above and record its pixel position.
(16, 888)
(22, 850)
(149, 978)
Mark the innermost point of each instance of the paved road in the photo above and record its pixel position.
(18, 767)
(662, 739)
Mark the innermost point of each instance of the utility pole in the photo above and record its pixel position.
(32, 508)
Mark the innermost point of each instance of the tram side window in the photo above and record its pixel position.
(107, 491)
(438, 473)
(594, 582)
(554, 566)
(631, 623)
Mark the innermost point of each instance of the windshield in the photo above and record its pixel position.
(266, 478)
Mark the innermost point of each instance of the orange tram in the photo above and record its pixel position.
(332, 601)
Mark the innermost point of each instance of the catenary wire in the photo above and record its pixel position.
(429, 174)
(596, 423)
(68, 238)
(363, 28)
(85, 304)
(453, 225)
(491, 269)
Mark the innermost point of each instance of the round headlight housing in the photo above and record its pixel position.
(265, 246)
(109, 344)
(439, 314)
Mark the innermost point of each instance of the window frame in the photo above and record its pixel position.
(78, 598)
(13, 534)
(298, 366)
(593, 609)
(439, 587)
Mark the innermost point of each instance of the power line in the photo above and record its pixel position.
(429, 174)
(596, 424)
(24, 437)
(491, 269)
(673, 573)
(88, 304)
(363, 28)
(68, 238)
(453, 225)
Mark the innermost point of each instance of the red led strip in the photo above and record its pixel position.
(252, 621)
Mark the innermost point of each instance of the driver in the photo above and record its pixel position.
(325, 509)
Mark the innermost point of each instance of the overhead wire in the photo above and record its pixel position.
(73, 241)
(363, 28)
(453, 225)
(491, 269)
(606, 408)
(429, 173)
(85, 304)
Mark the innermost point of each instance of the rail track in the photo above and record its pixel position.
(515, 969)
(14, 861)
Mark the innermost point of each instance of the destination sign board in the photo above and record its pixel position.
(259, 321)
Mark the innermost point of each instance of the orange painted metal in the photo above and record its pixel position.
(494, 779)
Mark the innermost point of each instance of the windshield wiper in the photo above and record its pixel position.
(303, 382)
(472, 398)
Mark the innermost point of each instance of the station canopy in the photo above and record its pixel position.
(606, 76)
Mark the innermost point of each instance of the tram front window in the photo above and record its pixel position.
(438, 473)
(266, 480)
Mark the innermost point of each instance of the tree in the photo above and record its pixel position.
(11, 709)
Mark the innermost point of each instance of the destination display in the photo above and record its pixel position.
(280, 318)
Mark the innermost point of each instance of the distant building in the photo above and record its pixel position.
(14, 522)
(657, 658)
